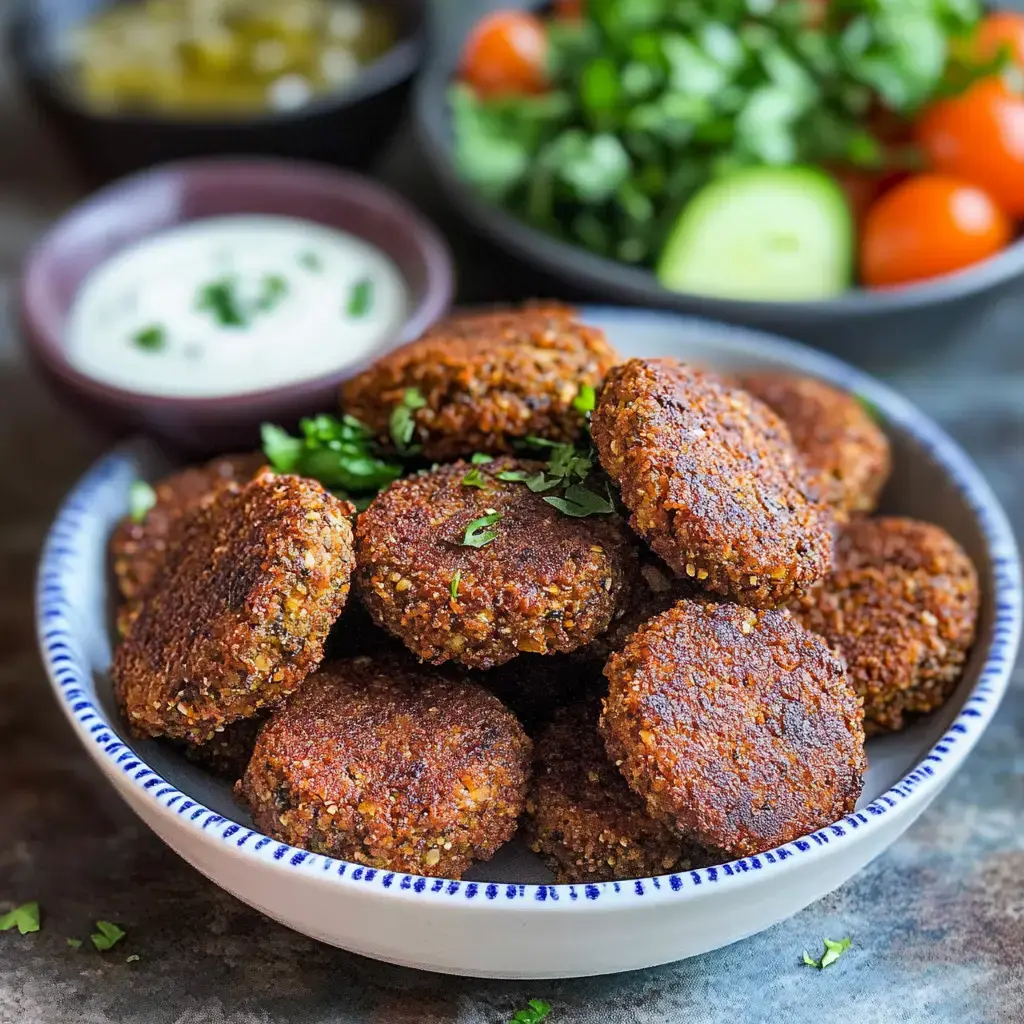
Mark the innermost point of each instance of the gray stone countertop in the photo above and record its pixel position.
(937, 922)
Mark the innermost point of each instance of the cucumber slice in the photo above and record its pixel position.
(773, 233)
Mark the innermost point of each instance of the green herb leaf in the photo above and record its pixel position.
(536, 1011)
(480, 459)
(474, 478)
(456, 580)
(150, 339)
(134, 958)
(833, 951)
(360, 299)
(273, 288)
(477, 534)
(586, 400)
(401, 424)
(141, 498)
(25, 918)
(281, 449)
(74, 943)
(311, 261)
(580, 502)
(870, 408)
(221, 300)
(107, 934)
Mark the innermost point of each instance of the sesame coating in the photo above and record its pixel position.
(901, 608)
(546, 583)
(488, 379)
(713, 481)
(390, 766)
(843, 447)
(583, 819)
(238, 619)
(138, 550)
(736, 725)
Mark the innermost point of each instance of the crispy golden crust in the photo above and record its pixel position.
(227, 753)
(713, 481)
(583, 819)
(842, 445)
(902, 609)
(238, 619)
(138, 550)
(393, 767)
(738, 726)
(488, 379)
(548, 583)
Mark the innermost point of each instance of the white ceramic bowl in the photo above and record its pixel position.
(509, 922)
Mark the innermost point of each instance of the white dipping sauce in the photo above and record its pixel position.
(234, 304)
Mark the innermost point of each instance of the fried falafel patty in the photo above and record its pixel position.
(901, 607)
(478, 574)
(713, 481)
(737, 726)
(238, 618)
(486, 380)
(138, 549)
(583, 819)
(389, 766)
(843, 447)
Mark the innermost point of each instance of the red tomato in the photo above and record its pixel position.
(506, 54)
(1003, 29)
(929, 225)
(979, 136)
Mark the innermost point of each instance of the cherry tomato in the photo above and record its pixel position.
(979, 136)
(506, 54)
(929, 225)
(1000, 30)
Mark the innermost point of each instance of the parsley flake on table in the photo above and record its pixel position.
(401, 424)
(474, 478)
(536, 1011)
(586, 400)
(25, 918)
(141, 498)
(107, 934)
(360, 299)
(478, 534)
(833, 951)
(150, 339)
(456, 580)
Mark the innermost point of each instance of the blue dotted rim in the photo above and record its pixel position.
(68, 552)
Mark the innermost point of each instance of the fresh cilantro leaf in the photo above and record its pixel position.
(311, 261)
(477, 534)
(134, 958)
(141, 498)
(273, 288)
(74, 943)
(360, 299)
(456, 580)
(580, 502)
(536, 1011)
(281, 449)
(586, 399)
(221, 300)
(25, 918)
(474, 478)
(150, 339)
(513, 475)
(480, 459)
(107, 934)
(833, 951)
(401, 424)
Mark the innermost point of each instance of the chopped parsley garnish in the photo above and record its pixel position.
(150, 339)
(360, 298)
(107, 934)
(134, 958)
(478, 534)
(401, 424)
(311, 261)
(568, 468)
(580, 501)
(25, 918)
(74, 943)
(474, 478)
(456, 580)
(221, 300)
(586, 399)
(536, 1011)
(480, 459)
(833, 951)
(273, 288)
(141, 498)
(340, 453)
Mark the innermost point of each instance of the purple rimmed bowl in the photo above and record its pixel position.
(143, 204)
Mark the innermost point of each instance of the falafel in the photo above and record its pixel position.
(901, 607)
(252, 584)
(486, 381)
(845, 450)
(737, 726)
(390, 766)
(713, 481)
(465, 565)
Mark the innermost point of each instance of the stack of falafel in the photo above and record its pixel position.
(697, 658)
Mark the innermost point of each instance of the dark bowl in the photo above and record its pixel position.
(141, 205)
(349, 127)
(883, 324)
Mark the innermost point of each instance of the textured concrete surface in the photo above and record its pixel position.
(937, 923)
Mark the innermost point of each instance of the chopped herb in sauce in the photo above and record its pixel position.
(221, 300)
(311, 261)
(25, 918)
(456, 580)
(150, 339)
(273, 288)
(107, 934)
(478, 534)
(833, 951)
(360, 298)
(141, 498)
(401, 424)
